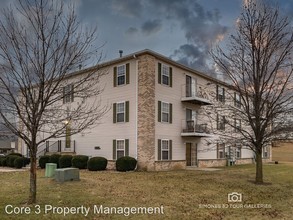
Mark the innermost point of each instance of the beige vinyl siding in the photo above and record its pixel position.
(103, 134)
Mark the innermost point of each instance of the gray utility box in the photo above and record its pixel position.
(66, 174)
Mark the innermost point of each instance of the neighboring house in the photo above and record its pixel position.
(155, 117)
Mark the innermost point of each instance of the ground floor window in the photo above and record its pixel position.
(164, 149)
(221, 151)
(120, 148)
(265, 152)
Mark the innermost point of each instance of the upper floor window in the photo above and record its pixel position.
(164, 112)
(164, 74)
(220, 94)
(121, 112)
(220, 151)
(237, 100)
(164, 149)
(121, 75)
(220, 122)
(68, 93)
(237, 124)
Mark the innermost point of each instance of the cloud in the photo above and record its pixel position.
(129, 8)
(191, 55)
(131, 31)
(151, 26)
(200, 27)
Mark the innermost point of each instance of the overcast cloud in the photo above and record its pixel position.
(184, 30)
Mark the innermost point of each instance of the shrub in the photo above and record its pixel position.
(19, 162)
(54, 158)
(3, 161)
(97, 163)
(125, 164)
(11, 159)
(15, 154)
(80, 161)
(27, 161)
(43, 160)
(65, 161)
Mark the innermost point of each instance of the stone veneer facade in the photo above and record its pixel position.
(146, 113)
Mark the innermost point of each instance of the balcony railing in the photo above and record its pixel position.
(60, 146)
(194, 94)
(191, 128)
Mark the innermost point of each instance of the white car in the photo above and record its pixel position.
(2, 155)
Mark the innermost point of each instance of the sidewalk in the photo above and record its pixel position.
(9, 169)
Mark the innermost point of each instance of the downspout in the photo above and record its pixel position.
(136, 107)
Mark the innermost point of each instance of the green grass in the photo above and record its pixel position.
(180, 193)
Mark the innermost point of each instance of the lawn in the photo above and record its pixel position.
(183, 194)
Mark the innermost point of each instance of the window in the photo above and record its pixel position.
(221, 151)
(265, 152)
(237, 124)
(164, 149)
(68, 94)
(237, 100)
(121, 112)
(238, 151)
(220, 94)
(164, 112)
(120, 148)
(121, 75)
(220, 122)
(164, 74)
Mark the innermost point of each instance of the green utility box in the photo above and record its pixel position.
(50, 169)
(66, 174)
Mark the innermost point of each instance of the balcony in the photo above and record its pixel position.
(194, 94)
(191, 129)
(60, 146)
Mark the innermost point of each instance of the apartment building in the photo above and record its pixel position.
(156, 116)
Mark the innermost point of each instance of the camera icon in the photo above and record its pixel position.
(234, 197)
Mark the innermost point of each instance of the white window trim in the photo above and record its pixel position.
(221, 147)
(221, 92)
(68, 93)
(124, 74)
(237, 122)
(124, 118)
(237, 100)
(168, 142)
(120, 149)
(165, 112)
(221, 121)
(238, 149)
(163, 74)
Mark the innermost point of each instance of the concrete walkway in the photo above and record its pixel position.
(203, 168)
(9, 169)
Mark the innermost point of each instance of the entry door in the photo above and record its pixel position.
(190, 86)
(191, 154)
(188, 154)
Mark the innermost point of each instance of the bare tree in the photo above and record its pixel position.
(41, 44)
(258, 64)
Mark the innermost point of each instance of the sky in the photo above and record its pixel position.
(183, 30)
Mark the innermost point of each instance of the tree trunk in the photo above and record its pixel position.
(33, 180)
(259, 171)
